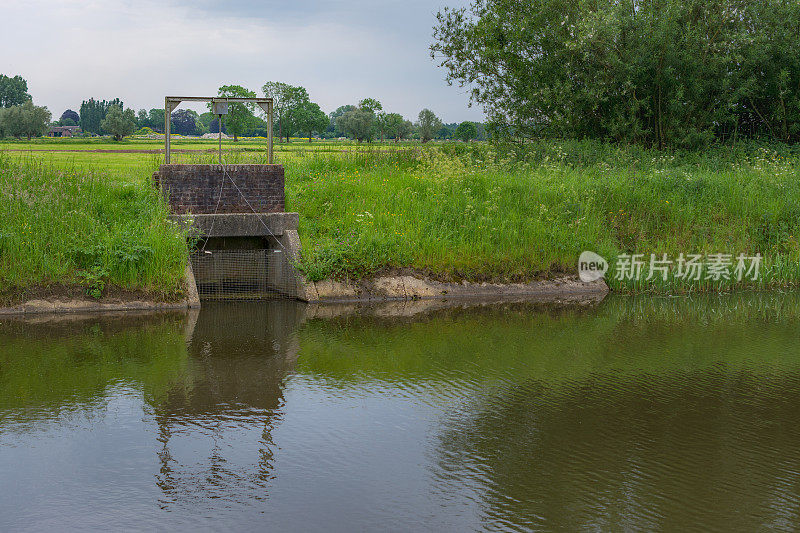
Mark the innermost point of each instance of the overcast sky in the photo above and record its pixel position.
(142, 50)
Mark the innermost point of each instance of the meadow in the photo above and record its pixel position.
(452, 211)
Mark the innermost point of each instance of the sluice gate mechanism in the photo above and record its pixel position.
(247, 245)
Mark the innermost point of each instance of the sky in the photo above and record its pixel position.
(142, 50)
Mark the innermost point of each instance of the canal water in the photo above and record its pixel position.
(655, 414)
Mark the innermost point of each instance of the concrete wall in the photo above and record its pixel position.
(196, 188)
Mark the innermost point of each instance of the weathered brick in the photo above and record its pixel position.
(196, 188)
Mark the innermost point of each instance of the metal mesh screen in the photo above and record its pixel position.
(244, 274)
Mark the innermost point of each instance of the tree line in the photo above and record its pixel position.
(294, 115)
(681, 73)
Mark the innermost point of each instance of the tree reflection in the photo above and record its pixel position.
(696, 449)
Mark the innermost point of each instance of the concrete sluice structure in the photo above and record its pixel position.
(247, 245)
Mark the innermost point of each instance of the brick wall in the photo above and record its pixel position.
(196, 188)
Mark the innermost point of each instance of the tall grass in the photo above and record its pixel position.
(69, 225)
(453, 211)
(469, 212)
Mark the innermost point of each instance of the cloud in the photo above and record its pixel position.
(70, 50)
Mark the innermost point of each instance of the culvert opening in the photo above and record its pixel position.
(243, 268)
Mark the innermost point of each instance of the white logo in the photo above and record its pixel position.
(591, 267)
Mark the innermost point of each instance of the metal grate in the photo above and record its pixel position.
(244, 274)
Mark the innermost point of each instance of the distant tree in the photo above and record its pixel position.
(466, 131)
(94, 111)
(184, 122)
(156, 119)
(25, 120)
(213, 126)
(341, 110)
(119, 123)
(240, 116)
(141, 119)
(357, 123)
(404, 130)
(285, 98)
(13, 91)
(258, 128)
(309, 118)
(396, 126)
(428, 124)
(370, 104)
(69, 114)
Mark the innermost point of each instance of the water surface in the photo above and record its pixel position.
(669, 414)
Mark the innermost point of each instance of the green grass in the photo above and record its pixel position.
(454, 211)
(467, 213)
(66, 226)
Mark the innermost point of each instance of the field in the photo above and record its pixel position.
(82, 212)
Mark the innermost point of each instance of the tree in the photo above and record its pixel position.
(428, 124)
(184, 122)
(240, 116)
(446, 131)
(404, 130)
(466, 131)
(93, 112)
(667, 72)
(285, 99)
(370, 104)
(13, 91)
(341, 110)
(25, 119)
(119, 123)
(308, 118)
(69, 114)
(396, 126)
(156, 119)
(357, 123)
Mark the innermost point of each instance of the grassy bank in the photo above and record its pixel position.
(466, 212)
(452, 211)
(63, 226)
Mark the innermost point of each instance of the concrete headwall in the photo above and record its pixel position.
(196, 188)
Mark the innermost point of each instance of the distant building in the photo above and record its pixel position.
(63, 131)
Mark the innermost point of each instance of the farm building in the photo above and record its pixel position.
(63, 131)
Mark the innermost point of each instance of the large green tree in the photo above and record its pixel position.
(658, 72)
(337, 131)
(358, 123)
(240, 116)
(285, 100)
(119, 123)
(427, 124)
(93, 112)
(13, 91)
(25, 120)
(309, 118)
(466, 131)
(396, 126)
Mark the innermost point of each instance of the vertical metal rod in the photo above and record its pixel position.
(167, 113)
(269, 131)
(219, 127)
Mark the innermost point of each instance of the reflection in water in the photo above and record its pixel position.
(239, 356)
(650, 414)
